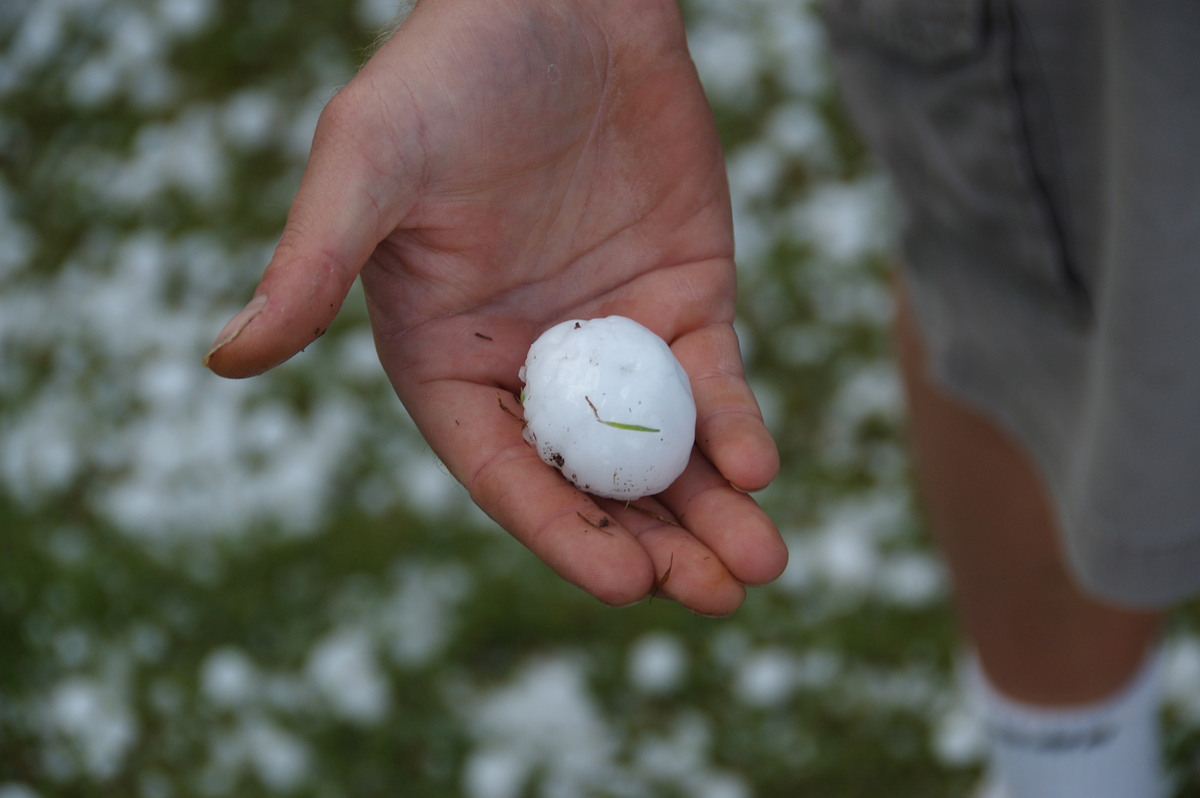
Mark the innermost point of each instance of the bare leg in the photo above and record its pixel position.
(1039, 638)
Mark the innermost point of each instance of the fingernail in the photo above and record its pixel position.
(234, 326)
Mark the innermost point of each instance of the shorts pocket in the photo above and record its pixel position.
(927, 32)
(936, 89)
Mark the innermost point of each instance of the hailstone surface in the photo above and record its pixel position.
(608, 405)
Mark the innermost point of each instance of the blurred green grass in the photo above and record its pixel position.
(81, 597)
(120, 647)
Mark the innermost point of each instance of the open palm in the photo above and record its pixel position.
(499, 166)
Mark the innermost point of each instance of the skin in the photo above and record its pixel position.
(1039, 637)
(496, 167)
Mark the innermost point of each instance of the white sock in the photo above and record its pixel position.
(1108, 749)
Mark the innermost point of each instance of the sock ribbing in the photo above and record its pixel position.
(1107, 749)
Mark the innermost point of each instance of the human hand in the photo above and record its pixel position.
(499, 166)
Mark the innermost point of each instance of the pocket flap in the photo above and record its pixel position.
(929, 32)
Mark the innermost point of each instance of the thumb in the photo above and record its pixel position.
(334, 224)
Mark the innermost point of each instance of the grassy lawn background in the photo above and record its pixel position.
(272, 587)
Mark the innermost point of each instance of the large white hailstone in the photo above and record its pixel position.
(607, 403)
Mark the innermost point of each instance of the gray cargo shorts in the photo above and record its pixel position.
(1045, 153)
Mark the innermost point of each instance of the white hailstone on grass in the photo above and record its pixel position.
(607, 404)
(657, 663)
(229, 678)
(766, 678)
(345, 670)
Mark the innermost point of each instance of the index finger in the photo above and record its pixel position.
(729, 425)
